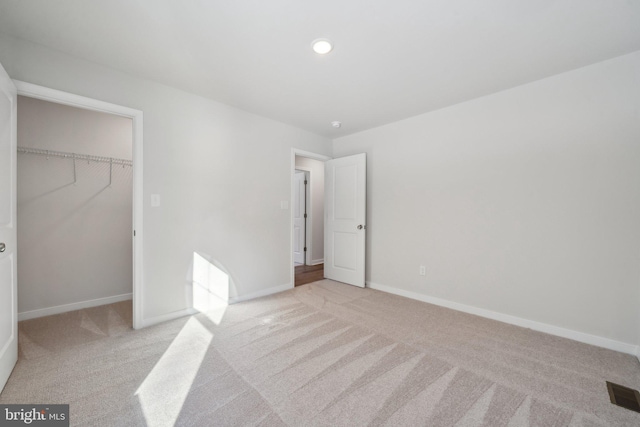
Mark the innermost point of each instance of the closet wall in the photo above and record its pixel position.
(74, 238)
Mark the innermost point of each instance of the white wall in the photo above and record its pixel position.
(316, 181)
(74, 240)
(43, 124)
(525, 202)
(196, 156)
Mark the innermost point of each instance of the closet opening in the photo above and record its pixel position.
(75, 222)
(307, 201)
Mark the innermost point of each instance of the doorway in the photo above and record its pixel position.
(67, 100)
(344, 216)
(307, 265)
(300, 217)
(74, 211)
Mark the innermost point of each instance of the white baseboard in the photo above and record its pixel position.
(317, 261)
(262, 293)
(33, 314)
(169, 316)
(513, 320)
(191, 311)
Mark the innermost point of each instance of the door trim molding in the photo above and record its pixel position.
(59, 97)
(309, 223)
(305, 222)
(292, 170)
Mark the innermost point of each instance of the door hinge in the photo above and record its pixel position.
(305, 215)
(134, 233)
(305, 182)
(305, 249)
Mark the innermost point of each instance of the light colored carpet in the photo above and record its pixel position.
(323, 354)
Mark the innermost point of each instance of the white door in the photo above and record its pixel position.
(8, 287)
(345, 214)
(298, 217)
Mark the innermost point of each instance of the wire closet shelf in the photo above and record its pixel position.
(75, 156)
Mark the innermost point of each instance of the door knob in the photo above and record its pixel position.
(360, 227)
(2, 247)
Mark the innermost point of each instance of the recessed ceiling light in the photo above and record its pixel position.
(321, 46)
(336, 124)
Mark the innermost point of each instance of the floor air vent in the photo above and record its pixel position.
(624, 396)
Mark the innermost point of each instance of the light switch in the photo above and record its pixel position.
(284, 204)
(155, 200)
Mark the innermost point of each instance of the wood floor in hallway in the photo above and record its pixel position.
(308, 273)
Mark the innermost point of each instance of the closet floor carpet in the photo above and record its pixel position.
(323, 354)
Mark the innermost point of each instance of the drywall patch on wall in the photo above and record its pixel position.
(74, 220)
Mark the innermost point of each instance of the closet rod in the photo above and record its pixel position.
(87, 157)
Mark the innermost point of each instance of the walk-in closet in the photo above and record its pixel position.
(75, 184)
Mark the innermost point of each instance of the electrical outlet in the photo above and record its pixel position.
(423, 270)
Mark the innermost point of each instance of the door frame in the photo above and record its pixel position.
(308, 154)
(309, 220)
(59, 97)
(294, 201)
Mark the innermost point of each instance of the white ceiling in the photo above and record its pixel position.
(392, 59)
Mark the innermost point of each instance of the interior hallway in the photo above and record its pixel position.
(308, 274)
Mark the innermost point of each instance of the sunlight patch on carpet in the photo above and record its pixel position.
(164, 391)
